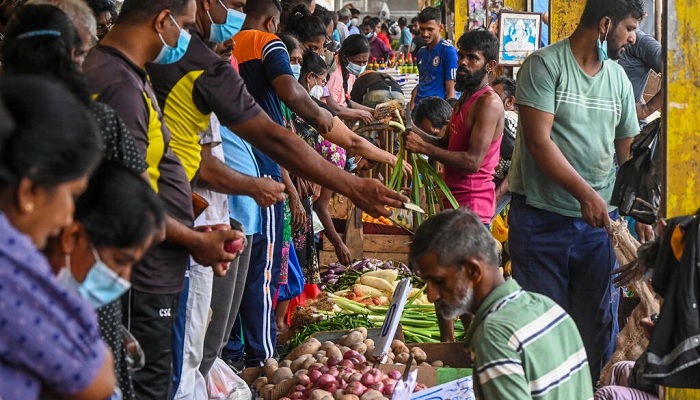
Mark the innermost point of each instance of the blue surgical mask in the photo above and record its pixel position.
(370, 35)
(355, 69)
(65, 278)
(102, 285)
(220, 33)
(296, 70)
(351, 165)
(169, 54)
(603, 47)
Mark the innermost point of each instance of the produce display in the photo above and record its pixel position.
(336, 371)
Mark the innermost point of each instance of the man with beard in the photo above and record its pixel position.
(523, 344)
(471, 146)
(577, 111)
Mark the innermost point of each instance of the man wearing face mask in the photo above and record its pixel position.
(523, 345)
(378, 49)
(577, 111)
(152, 32)
(470, 147)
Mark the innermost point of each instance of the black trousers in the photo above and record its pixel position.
(149, 317)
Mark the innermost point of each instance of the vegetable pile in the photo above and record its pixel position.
(330, 371)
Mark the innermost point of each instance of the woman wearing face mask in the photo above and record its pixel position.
(309, 29)
(333, 145)
(352, 60)
(49, 339)
(117, 219)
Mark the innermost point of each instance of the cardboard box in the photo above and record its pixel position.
(457, 362)
(372, 333)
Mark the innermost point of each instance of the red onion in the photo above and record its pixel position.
(314, 375)
(365, 369)
(347, 364)
(350, 354)
(333, 371)
(331, 387)
(355, 377)
(389, 386)
(324, 369)
(296, 396)
(378, 386)
(360, 359)
(395, 375)
(315, 367)
(378, 374)
(324, 380)
(333, 361)
(299, 388)
(368, 379)
(355, 388)
(420, 387)
(304, 379)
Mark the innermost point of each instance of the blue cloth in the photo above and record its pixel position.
(239, 156)
(542, 6)
(406, 40)
(49, 337)
(435, 67)
(257, 314)
(179, 331)
(295, 280)
(569, 261)
(353, 30)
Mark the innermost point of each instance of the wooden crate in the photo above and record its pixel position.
(381, 247)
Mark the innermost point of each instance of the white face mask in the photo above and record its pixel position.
(317, 91)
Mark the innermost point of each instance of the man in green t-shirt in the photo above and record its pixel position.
(523, 344)
(577, 113)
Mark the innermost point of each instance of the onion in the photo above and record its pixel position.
(378, 386)
(360, 359)
(324, 369)
(355, 377)
(333, 371)
(315, 367)
(296, 396)
(355, 388)
(368, 379)
(347, 364)
(299, 388)
(365, 369)
(333, 361)
(389, 386)
(350, 354)
(378, 374)
(395, 375)
(331, 387)
(303, 377)
(314, 375)
(324, 380)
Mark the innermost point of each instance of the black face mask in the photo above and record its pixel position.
(467, 82)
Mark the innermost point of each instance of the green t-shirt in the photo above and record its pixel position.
(525, 346)
(590, 113)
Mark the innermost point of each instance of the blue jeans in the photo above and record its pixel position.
(569, 261)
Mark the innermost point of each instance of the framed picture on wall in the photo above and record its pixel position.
(518, 36)
(530, 6)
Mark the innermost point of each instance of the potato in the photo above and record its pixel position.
(401, 358)
(348, 397)
(370, 350)
(271, 361)
(372, 395)
(363, 331)
(351, 338)
(419, 354)
(282, 373)
(307, 363)
(318, 394)
(320, 355)
(334, 352)
(327, 344)
(360, 348)
(296, 364)
(270, 370)
(437, 364)
(369, 342)
(286, 363)
(338, 394)
(343, 349)
(398, 346)
(259, 383)
(267, 391)
(425, 364)
(310, 346)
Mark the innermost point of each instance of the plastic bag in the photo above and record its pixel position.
(224, 384)
(637, 191)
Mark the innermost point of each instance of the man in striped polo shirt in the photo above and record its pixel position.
(523, 344)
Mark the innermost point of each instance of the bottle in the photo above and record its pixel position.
(372, 64)
(382, 64)
(409, 65)
(415, 66)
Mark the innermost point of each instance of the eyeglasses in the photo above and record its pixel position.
(323, 80)
(105, 27)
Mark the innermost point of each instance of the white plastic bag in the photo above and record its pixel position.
(224, 384)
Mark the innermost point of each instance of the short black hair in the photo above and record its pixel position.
(508, 84)
(355, 11)
(403, 21)
(133, 11)
(435, 109)
(100, 6)
(313, 63)
(483, 41)
(414, 20)
(430, 14)
(371, 23)
(617, 10)
(291, 42)
(262, 8)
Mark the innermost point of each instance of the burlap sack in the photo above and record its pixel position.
(632, 340)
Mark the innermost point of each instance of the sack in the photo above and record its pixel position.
(637, 191)
(632, 340)
(224, 384)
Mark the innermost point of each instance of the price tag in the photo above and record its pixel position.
(404, 388)
(391, 322)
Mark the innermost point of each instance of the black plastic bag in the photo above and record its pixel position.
(637, 190)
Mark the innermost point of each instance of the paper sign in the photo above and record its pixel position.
(462, 389)
(391, 322)
(404, 389)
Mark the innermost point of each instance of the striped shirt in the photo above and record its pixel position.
(525, 346)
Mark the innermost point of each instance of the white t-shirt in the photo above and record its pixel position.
(217, 212)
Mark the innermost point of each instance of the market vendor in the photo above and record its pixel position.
(523, 345)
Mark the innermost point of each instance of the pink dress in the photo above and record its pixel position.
(335, 85)
(473, 190)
